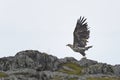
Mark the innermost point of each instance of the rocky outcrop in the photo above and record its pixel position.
(34, 65)
(28, 59)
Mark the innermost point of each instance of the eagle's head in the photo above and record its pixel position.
(70, 45)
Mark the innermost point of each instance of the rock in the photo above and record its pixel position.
(87, 62)
(67, 59)
(29, 59)
(116, 69)
(99, 68)
(34, 65)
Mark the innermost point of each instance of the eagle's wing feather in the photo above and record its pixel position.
(81, 33)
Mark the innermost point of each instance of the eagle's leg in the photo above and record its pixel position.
(83, 53)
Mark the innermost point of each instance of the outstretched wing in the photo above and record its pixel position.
(81, 33)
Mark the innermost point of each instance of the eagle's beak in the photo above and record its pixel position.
(67, 45)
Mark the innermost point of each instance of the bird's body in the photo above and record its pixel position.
(81, 50)
(81, 34)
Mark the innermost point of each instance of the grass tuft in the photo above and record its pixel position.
(73, 79)
(56, 78)
(73, 68)
(104, 78)
(2, 74)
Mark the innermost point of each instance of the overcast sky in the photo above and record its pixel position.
(48, 25)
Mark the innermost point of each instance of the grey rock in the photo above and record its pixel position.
(68, 59)
(87, 62)
(34, 65)
(116, 69)
(29, 59)
(99, 68)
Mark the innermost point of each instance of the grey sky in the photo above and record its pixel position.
(47, 26)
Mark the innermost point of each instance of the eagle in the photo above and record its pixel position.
(81, 36)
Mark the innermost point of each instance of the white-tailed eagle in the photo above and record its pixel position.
(81, 35)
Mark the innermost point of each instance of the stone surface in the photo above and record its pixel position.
(87, 62)
(34, 65)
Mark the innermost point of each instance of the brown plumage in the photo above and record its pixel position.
(81, 36)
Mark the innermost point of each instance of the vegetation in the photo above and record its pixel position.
(21, 73)
(56, 78)
(104, 78)
(2, 74)
(73, 79)
(73, 68)
(62, 78)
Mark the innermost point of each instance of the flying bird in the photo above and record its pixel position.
(81, 36)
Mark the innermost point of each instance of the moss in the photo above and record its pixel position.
(104, 78)
(2, 74)
(62, 78)
(73, 79)
(56, 78)
(21, 73)
(75, 68)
